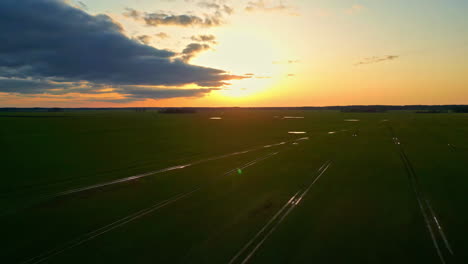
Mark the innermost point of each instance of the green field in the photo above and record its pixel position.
(144, 187)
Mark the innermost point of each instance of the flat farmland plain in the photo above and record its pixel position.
(252, 186)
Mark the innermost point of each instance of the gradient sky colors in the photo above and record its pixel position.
(119, 53)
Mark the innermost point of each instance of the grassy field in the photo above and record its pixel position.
(143, 187)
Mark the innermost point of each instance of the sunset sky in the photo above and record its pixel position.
(120, 53)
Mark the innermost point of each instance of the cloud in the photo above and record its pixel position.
(31, 86)
(204, 38)
(287, 62)
(162, 35)
(221, 8)
(145, 39)
(193, 49)
(228, 10)
(132, 13)
(162, 19)
(264, 6)
(53, 44)
(82, 5)
(376, 59)
(134, 93)
(206, 4)
(140, 93)
(127, 93)
(251, 75)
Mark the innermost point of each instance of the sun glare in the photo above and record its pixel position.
(248, 89)
(250, 53)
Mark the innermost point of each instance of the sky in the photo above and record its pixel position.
(210, 53)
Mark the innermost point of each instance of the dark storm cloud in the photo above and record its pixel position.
(52, 40)
(129, 92)
(26, 86)
(31, 86)
(376, 59)
(163, 19)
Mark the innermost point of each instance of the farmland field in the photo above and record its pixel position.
(252, 186)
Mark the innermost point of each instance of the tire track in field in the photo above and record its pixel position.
(178, 167)
(436, 232)
(127, 219)
(452, 147)
(251, 247)
(107, 228)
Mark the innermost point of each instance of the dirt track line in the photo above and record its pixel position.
(131, 178)
(250, 163)
(439, 228)
(323, 170)
(100, 231)
(423, 203)
(127, 219)
(287, 208)
(264, 228)
(294, 204)
(178, 167)
(413, 184)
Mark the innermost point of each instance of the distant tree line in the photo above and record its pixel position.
(178, 111)
(432, 111)
(55, 109)
(364, 109)
(461, 109)
(183, 110)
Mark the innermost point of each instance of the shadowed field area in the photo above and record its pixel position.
(249, 186)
